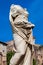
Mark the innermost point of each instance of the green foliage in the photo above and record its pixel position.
(9, 55)
(34, 62)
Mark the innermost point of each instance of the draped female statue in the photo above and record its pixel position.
(22, 34)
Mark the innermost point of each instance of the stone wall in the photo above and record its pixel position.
(38, 55)
(10, 46)
(3, 52)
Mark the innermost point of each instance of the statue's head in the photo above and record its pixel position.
(16, 10)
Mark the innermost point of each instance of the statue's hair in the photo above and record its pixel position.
(19, 9)
(16, 6)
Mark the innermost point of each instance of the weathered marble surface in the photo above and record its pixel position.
(22, 34)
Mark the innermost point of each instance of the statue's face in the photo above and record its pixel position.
(13, 13)
(16, 10)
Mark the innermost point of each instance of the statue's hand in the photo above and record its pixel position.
(14, 49)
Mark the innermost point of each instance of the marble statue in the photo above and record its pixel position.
(22, 34)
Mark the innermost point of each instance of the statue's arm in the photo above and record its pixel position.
(22, 23)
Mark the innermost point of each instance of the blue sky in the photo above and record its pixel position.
(35, 9)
